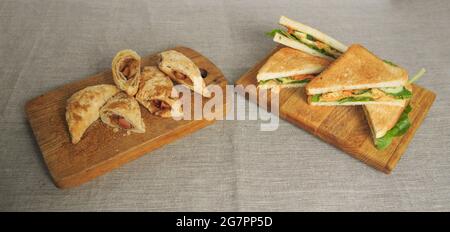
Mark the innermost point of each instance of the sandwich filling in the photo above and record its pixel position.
(120, 122)
(182, 78)
(309, 41)
(400, 128)
(298, 79)
(160, 106)
(129, 67)
(364, 95)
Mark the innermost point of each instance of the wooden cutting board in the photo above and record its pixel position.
(100, 149)
(345, 127)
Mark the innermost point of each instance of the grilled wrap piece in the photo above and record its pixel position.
(83, 108)
(123, 112)
(183, 70)
(155, 93)
(126, 68)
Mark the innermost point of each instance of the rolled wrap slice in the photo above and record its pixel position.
(83, 108)
(155, 93)
(126, 68)
(123, 112)
(183, 70)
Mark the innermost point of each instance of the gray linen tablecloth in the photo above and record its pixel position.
(230, 165)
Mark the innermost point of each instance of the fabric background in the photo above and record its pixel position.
(230, 165)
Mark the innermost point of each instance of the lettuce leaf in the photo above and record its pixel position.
(316, 98)
(263, 82)
(273, 32)
(301, 81)
(309, 37)
(404, 94)
(285, 80)
(355, 99)
(314, 47)
(289, 80)
(400, 128)
(390, 62)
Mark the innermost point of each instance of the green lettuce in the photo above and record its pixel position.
(400, 128)
(285, 80)
(390, 62)
(263, 82)
(288, 80)
(309, 37)
(301, 81)
(404, 94)
(355, 99)
(316, 98)
(274, 32)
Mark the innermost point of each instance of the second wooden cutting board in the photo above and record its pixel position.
(100, 149)
(345, 126)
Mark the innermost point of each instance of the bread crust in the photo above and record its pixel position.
(290, 62)
(357, 69)
(382, 118)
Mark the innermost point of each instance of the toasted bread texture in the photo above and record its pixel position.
(357, 68)
(288, 62)
(382, 118)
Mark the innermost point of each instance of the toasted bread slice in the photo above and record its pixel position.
(357, 68)
(382, 118)
(288, 62)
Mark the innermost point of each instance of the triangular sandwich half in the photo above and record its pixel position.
(307, 39)
(289, 68)
(358, 77)
(387, 122)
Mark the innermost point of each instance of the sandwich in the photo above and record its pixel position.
(307, 39)
(83, 108)
(155, 93)
(122, 112)
(288, 68)
(387, 122)
(183, 70)
(358, 77)
(126, 68)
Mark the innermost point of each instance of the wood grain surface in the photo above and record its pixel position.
(345, 127)
(100, 149)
